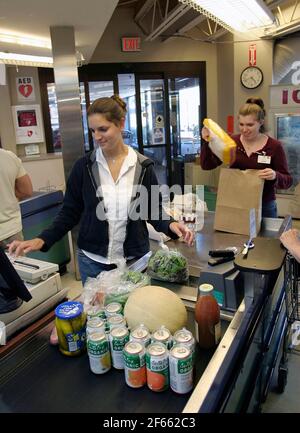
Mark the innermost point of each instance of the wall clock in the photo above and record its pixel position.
(251, 77)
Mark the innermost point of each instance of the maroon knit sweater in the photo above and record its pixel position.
(272, 148)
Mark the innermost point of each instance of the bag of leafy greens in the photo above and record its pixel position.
(112, 286)
(168, 265)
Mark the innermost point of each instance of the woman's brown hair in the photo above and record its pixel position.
(255, 107)
(113, 108)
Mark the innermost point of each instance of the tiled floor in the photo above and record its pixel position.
(74, 286)
(287, 402)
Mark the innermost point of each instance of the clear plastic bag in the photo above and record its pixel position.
(112, 286)
(129, 280)
(168, 265)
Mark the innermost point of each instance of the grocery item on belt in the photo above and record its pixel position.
(221, 144)
(157, 365)
(70, 323)
(168, 265)
(155, 306)
(112, 286)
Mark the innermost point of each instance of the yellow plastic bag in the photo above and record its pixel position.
(220, 142)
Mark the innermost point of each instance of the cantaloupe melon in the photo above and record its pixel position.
(155, 306)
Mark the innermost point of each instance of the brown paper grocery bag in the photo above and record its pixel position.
(238, 192)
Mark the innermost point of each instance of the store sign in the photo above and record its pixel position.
(296, 75)
(131, 44)
(285, 96)
(25, 89)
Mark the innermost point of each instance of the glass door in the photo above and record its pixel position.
(100, 89)
(152, 125)
(184, 102)
(126, 84)
(185, 118)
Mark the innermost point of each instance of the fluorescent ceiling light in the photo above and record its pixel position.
(24, 40)
(239, 15)
(25, 60)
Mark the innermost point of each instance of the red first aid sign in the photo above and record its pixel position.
(252, 55)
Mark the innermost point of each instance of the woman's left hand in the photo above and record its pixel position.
(267, 174)
(181, 230)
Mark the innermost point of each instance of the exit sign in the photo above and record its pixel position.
(131, 44)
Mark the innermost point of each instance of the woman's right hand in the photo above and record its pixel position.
(205, 134)
(19, 248)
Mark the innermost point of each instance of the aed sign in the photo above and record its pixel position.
(131, 44)
(25, 89)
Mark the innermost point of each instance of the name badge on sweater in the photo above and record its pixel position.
(264, 159)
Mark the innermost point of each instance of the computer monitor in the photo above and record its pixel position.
(12, 289)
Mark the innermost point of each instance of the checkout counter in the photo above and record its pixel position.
(233, 378)
(42, 282)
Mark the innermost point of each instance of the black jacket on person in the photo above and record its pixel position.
(83, 202)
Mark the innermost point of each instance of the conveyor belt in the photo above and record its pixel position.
(36, 377)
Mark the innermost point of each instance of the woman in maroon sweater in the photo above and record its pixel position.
(255, 150)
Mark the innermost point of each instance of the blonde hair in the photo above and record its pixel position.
(113, 108)
(254, 107)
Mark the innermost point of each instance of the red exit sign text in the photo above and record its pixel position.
(131, 44)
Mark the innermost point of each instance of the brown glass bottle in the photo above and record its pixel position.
(207, 318)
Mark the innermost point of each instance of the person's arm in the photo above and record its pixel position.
(208, 160)
(291, 240)
(283, 178)
(23, 187)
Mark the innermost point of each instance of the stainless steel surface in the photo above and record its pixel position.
(270, 227)
(286, 225)
(205, 240)
(67, 92)
(68, 100)
(210, 239)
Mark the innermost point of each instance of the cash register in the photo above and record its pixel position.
(29, 288)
